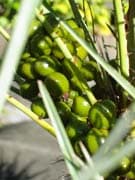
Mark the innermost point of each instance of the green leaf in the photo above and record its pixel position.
(73, 163)
(16, 46)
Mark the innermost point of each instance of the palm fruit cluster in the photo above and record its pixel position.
(67, 82)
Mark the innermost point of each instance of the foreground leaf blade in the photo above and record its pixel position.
(108, 68)
(63, 140)
(16, 46)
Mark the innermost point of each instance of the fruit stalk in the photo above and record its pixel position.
(4, 33)
(33, 116)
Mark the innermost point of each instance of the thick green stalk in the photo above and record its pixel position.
(122, 42)
(131, 36)
(29, 113)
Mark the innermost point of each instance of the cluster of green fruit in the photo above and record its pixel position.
(44, 60)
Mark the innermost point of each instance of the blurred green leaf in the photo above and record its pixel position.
(16, 46)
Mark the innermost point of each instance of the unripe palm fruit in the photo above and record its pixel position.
(79, 32)
(45, 65)
(89, 70)
(75, 129)
(77, 148)
(81, 52)
(25, 56)
(34, 27)
(77, 119)
(94, 139)
(124, 166)
(76, 84)
(81, 106)
(38, 108)
(64, 111)
(71, 95)
(26, 68)
(102, 114)
(29, 90)
(56, 51)
(40, 45)
(72, 23)
(57, 84)
(69, 67)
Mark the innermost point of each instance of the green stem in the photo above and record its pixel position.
(33, 116)
(122, 42)
(131, 37)
(81, 22)
(4, 33)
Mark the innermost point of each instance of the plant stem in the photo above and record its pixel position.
(33, 116)
(122, 42)
(131, 36)
(80, 22)
(4, 33)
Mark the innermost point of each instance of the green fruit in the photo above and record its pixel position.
(79, 32)
(94, 139)
(70, 68)
(81, 106)
(130, 175)
(71, 131)
(57, 84)
(76, 118)
(70, 47)
(76, 129)
(72, 23)
(35, 25)
(102, 114)
(124, 166)
(89, 70)
(81, 52)
(67, 69)
(64, 111)
(29, 90)
(40, 45)
(45, 66)
(77, 61)
(57, 53)
(110, 105)
(77, 148)
(73, 94)
(76, 84)
(38, 108)
(26, 69)
(25, 56)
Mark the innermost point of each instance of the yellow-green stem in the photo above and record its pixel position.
(4, 33)
(33, 116)
(122, 41)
